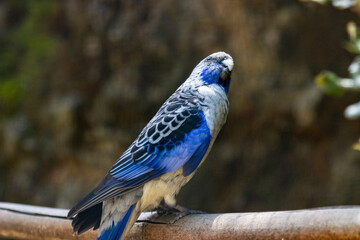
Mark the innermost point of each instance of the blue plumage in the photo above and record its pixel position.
(165, 154)
(118, 228)
(191, 165)
(213, 72)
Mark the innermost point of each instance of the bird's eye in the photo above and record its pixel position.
(224, 76)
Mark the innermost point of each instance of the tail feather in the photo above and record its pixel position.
(87, 219)
(120, 229)
(134, 216)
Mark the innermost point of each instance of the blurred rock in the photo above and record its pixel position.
(285, 144)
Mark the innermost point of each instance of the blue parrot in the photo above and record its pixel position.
(164, 157)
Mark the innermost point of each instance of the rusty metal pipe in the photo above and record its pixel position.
(31, 222)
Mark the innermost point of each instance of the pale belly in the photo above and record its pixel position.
(165, 187)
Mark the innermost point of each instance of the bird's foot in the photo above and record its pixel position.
(173, 214)
(181, 212)
(165, 210)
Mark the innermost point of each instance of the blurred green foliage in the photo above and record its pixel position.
(330, 83)
(353, 45)
(335, 85)
(24, 52)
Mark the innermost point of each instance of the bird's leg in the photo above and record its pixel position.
(182, 209)
(178, 211)
(164, 209)
(182, 212)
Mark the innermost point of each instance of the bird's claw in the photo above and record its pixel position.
(163, 210)
(178, 212)
(179, 215)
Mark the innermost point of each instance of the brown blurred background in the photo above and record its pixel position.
(80, 79)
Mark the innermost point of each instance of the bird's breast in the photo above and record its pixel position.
(215, 106)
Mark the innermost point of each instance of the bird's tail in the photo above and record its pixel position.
(118, 230)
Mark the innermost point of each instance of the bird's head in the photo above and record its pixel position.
(215, 69)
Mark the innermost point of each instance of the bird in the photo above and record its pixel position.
(164, 156)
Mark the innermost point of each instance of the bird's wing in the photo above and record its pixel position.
(177, 136)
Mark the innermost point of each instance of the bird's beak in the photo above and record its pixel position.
(229, 63)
